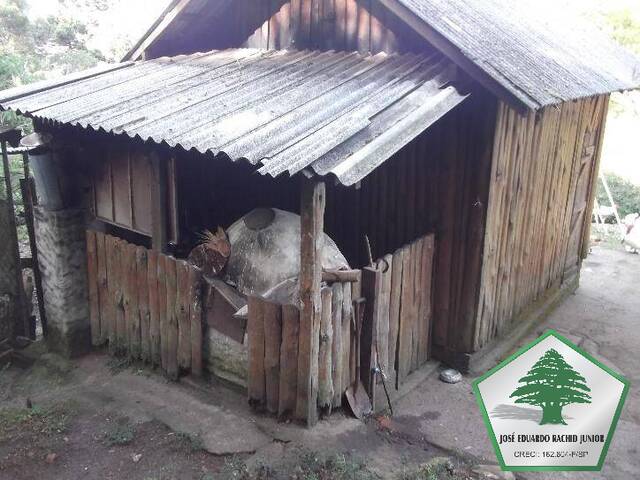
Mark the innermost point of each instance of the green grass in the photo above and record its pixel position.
(439, 468)
(45, 421)
(119, 434)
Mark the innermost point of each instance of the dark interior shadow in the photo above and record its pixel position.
(513, 412)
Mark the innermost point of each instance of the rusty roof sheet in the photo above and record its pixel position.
(283, 111)
(537, 55)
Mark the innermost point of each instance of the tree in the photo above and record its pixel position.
(552, 384)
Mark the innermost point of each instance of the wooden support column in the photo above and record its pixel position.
(312, 206)
(159, 204)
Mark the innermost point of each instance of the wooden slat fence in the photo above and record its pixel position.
(400, 310)
(273, 332)
(145, 305)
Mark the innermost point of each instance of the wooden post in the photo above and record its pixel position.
(92, 273)
(289, 360)
(182, 311)
(371, 291)
(256, 384)
(325, 358)
(336, 348)
(142, 279)
(195, 316)
(159, 204)
(272, 341)
(312, 205)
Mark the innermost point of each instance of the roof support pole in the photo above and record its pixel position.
(312, 206)
(159, 203)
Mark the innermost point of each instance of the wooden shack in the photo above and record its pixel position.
(460, 138)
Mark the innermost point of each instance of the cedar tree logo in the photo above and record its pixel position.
(551, 406)
(551, 384)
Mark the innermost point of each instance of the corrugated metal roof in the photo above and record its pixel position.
(538, 57)
(283, 111)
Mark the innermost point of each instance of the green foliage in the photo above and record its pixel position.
(31, 50)
(625, 194)
(625, 28)
(552, 384)
(119, 434)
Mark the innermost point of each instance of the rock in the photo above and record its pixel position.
(50, 458)
(136, 457)
(450, 376)
(491, 472)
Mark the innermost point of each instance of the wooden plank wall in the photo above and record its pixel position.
(344, 25)
(437, 184)
(145, 305)
(542, 180)
(273, 333)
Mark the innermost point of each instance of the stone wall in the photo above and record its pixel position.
(62, 257)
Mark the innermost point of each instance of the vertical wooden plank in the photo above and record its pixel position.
(272, 341)
(425, 299)
(182, 311)
(371, 289)
(364, 26)
(154, 307)
(294, 23)
(416, 261)
(347, 321)
(385, 266)
(131, 312)
(406, 313)
(394, 312)
(159, 203)
(328, 19)
(163, 310)
(122, 345)
(351, 30)
(142, 270)
(378, 29)
(171, 272)
(92, 274)
(312, 206)
(195, 319)
(122, 188)
(111, 309)
(285, 26)
(103, 288)
(337, 357)
(325, 359)
(256, 384)
(340, 24)
(288, 361)
(304, 31)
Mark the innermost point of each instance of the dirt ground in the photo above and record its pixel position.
(96, 418)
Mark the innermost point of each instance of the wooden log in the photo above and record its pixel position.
(288, 361)
(171, 331)
(371, 291)
(425, 299)
(120, 281)
(337, 356)
(195, 318)
(182, 311)
(341, 276)
(312, 205)
(385, 267)
(142, 270)
(103, 288)
(92, 279)
(256, 384)
(395, 297)
(110, 300)
(272, 341)
(131, 312)
(347, 321)
(325, 377)
(163, 312)
(154, 307)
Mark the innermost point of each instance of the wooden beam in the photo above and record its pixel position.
(159, 204)
(312, 206)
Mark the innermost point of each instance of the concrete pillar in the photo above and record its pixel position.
(62, 256)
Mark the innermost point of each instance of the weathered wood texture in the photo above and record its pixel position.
(438, 183)
(542, 182)
(400, 311)
(275, 383)
(146, 305)
(344, 25)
